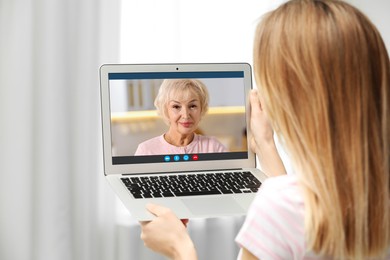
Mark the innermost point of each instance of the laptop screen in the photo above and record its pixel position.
(198, 116)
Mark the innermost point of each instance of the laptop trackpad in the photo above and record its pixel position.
(206, 205)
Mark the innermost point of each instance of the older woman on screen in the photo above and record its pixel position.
(182, 103)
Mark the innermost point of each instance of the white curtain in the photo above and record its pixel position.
(54, 202)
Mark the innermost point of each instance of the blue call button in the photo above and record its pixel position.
(167, 158)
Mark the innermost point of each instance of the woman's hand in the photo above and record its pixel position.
(262, 141)
(167, 235)
(262, 132)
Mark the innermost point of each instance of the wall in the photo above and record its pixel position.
(379, 13)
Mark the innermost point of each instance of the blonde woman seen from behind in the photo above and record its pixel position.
(324, 87)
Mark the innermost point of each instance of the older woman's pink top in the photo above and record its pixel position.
(200, 144)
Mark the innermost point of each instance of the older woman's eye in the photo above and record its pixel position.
(176, 107)
(193, 106)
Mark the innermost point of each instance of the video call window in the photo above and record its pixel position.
(138, 127)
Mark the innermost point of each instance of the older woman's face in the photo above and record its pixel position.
(184, 113)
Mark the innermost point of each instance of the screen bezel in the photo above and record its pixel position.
(180, 166)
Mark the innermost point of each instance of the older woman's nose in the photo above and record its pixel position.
(185, 112)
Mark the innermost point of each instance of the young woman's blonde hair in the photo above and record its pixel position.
(180, 89)
(324, 73)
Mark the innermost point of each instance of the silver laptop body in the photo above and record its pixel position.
(129, 118)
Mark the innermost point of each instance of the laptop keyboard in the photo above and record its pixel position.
(191, 184)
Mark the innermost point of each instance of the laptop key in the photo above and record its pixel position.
(168, 194)
(196, 193)
(147, 195)
(224, 191)
(126, 180)
(135, 180)
(137, 196)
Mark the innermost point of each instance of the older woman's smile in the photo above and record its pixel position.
(186, 124)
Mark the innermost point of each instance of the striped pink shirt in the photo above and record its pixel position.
(200, 144)
(274, 226)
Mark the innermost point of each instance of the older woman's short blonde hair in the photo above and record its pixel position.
(180, 88)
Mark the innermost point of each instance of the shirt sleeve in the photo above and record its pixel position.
(274, 226)
(143, 148)
(150, 147)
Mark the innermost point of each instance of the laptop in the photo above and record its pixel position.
(192, 183)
